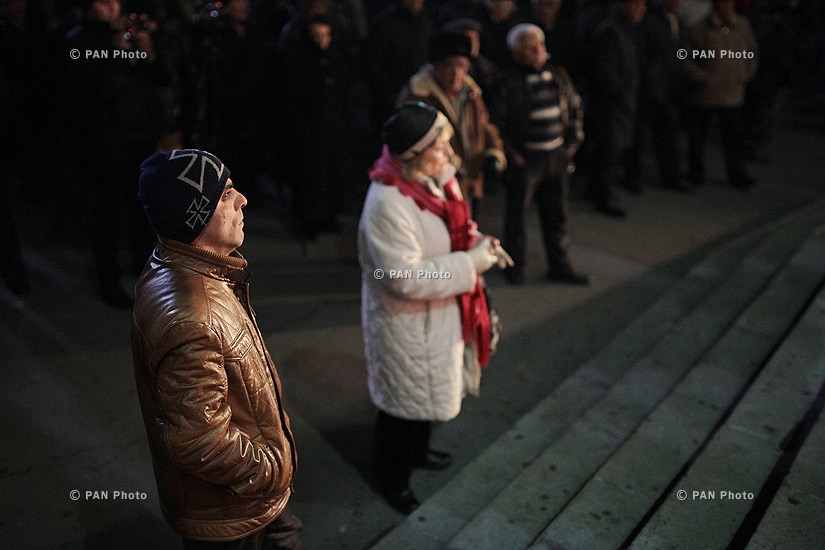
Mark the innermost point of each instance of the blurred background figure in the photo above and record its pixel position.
(118, 116)
(661, 96)
(447, 86)
(12, 268)
(720, 89)
(559, 33)
(482, 70)
(614, 96)
(315, 84)
(497, 18)
(398, 46)
(778, 29)
(232, 90)
(539, 114)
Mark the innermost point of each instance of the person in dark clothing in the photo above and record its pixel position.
(482, 70)
(316, 84)
(294, 33)
(663, 82)
(231, 91)
(12, 268)
(497, 18)
(459, 9)
(539, 115)
(559, 34)
(614, 97)
(399, 44)
(777, 25)
(118, 118)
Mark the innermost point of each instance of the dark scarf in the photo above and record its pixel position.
(475, 318)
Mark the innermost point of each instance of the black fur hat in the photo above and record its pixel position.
(447, 44)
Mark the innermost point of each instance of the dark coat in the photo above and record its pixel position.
(615, 81)
(663, 74)
(115, 103)
(399, 46)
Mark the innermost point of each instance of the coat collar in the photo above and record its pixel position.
(423, 84)
(205, 262)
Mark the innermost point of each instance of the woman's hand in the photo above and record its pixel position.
(483, 255)
(493, 247)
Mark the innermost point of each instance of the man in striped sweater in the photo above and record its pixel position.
(539, 115)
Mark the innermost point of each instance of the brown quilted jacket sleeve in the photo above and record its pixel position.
(193, 401)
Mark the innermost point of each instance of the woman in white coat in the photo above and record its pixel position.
(424, 315)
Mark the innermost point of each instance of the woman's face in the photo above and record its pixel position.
(434, 159)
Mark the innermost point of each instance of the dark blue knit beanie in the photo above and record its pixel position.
(180, 190)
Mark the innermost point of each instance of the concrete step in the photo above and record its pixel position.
(743, 453)
(516, 516)
(794, 518)
(741, 268)
(606, 512)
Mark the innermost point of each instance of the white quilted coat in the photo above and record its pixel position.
(412, 324)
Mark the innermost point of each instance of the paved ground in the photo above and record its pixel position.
(71, 415)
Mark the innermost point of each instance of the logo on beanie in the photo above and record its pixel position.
(196, 171)
(199, 211)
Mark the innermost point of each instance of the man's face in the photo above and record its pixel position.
(238, 10)
(105, 11)
(321, 34)
(531, 51)
(633, 10)
(450, 73)
(547, 11)
(415, 6)
(501, 10)
(224, 232)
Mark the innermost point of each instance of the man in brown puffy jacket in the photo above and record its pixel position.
(222, 449)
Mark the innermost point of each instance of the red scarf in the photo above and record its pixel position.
(475, 318)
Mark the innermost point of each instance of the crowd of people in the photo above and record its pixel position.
(121, 105)
(292, 94)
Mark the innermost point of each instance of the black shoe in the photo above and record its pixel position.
(514, 276)
(113, 294)
(611, 209)
(404, 500)
(566, 274)
(435, 460)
